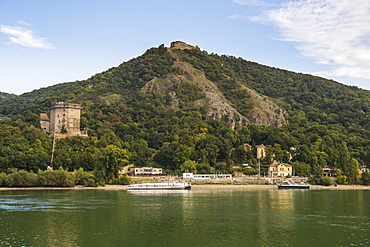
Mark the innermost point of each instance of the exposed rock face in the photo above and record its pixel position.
(263, 112)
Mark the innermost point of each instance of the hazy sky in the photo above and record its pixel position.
(45, 42)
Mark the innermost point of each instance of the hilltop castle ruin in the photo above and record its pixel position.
(64, 120)
(182, 45)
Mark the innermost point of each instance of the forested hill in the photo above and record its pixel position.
(171, 106)
(6, 95)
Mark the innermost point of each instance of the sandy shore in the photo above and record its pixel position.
(198, 187)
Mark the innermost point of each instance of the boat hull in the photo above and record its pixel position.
(187, 188)
(293, 187)
(160, 186)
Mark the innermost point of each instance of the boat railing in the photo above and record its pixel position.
(288, 182)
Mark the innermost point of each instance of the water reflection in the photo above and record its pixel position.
(199, 217)
(158, 192)
(61, 230)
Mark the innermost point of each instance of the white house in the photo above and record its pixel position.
(147, 171)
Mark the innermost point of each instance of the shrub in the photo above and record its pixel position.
(123, 180)
(365, 178)
(57, 178)
(250, 171)
(325, 181)
(82, 178)
(21, 179)
(341, 179)
(2, 176)
(91, 183)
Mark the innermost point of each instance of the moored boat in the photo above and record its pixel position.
(290, 184)
(168, 185)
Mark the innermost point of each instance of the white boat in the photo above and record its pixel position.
(290, 184)
(168, 185)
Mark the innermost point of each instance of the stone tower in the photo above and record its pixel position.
(261, 151)
(65, 119)
(44, 122)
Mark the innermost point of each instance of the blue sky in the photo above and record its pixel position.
(45, 42)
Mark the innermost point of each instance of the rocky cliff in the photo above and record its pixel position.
(264, 111)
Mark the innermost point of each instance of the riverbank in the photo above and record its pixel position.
(272, 186)
(197, 187)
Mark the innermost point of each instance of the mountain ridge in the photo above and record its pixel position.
(264, 111)
(4, 95)
(232, 76)
(169, 106)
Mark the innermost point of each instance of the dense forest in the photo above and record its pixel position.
(6, 95)
(327, 123)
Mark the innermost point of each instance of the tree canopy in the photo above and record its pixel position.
(328, 122)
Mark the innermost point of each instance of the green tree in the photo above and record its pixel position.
(351, 171)
(111, 160)
(82, 178)
(278, 153)
(123, 180)
(56, 178)
(182, 154)
(239, 155)
(317, 171)
(301, 169)
(365, 178)
(344, 156)
(189, 166)
(304, 154)
(203, 168)
(21, 179)
(164, 156)
(341, 179)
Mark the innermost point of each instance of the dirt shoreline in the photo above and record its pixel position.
(196, 187)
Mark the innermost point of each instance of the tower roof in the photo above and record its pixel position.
(43, 117)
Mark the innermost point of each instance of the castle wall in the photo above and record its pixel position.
(65, 117)
(44, 122)
(182, 45)
(45, 126)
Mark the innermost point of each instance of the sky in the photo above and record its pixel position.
(43, 42)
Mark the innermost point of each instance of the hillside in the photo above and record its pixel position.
(176, 104)
(6, 95)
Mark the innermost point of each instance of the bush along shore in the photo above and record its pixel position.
(56, 178)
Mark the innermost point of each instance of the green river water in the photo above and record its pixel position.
(199, 217)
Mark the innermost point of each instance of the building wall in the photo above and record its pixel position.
(44, 122)
(66, 116)
(147, 171)
(45, 125)
(182, 45)
(261, 151)
(280, 170)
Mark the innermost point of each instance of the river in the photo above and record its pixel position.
(199, 217)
